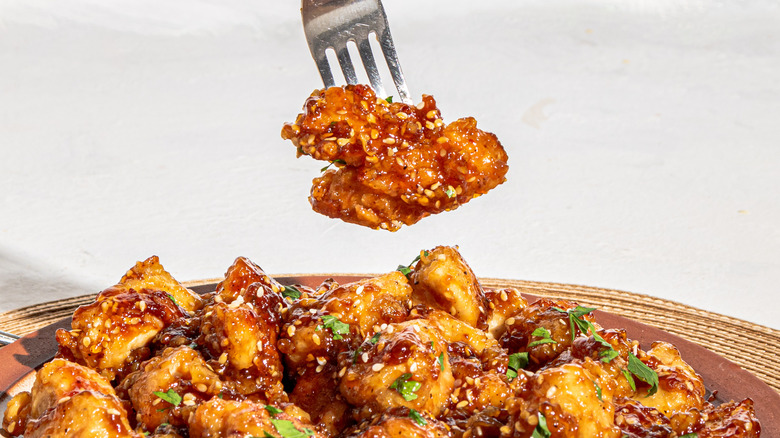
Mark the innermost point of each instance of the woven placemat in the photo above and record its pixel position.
(754, 347)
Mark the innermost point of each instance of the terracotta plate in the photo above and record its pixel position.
(723, 378)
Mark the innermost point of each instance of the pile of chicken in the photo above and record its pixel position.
(423, 351)
(395, 163)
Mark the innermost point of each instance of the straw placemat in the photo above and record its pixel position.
(754, 347)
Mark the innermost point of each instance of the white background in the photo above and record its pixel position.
(643, 135)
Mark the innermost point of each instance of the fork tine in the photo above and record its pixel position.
(388, 49)
(324, 67)
(346, 65)
(367, 56)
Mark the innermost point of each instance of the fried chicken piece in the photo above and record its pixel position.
(680, 388)
(732, 419)
(400, 422)
(181, 375)
(219, 418)
(68, 400)
(151, 275)
(320, 327)
(317, 392)
(112, 334)
(502, 303)
(443, 280)
(398, 163)
(573, 406)
(406, 365)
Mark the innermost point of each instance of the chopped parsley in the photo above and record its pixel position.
(690, 435)
(272, 410)
(441, 361)
(414, 415)
(598, 390)
(374, 339)
(172, 299)
(389, 99)
(450, 192)
(170, 396)
(336, 161)
(630, 379)
(643, 373)
(541, 430)
(543, 333)
(406, 270)
(517, 361)
(335, 325)
(406, 387)
(576, 321)
(287, 429)
(291, 292)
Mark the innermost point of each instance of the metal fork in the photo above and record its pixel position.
(334, 23)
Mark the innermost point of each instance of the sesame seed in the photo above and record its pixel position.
(402, 115)
(510, 321)
(413, 368)
(429, 124)
(388, 140)
(291, 330)
(104, 306)
(341, 112)
(142, 305)
(224, 342)
(429, 193)
(377, 366)
(442, 139)
(364, 356)
(431, 114)
(551, 392)
(420, 105)
(63, 399)
(319, 368)
(462, 404)
(316, 338)
(390, 329)
(113, 411)
(533, 420)
(11, 427)
(260, 345)
(364, 104)
(223, 358)
(504, 296)
(438, 122)
(86, 341)
(471, 179)
(201, 387)
(342, 141)
(436, 186)
(505, 430)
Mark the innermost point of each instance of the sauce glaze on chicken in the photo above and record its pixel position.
(424, 351)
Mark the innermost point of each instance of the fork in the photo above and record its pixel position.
(334, 23)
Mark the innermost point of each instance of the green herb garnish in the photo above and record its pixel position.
(406, 387)
(643, 373)
(630, 379)
(543, 333)
(374, 339)
(389, 99)
(287, 429)
(172, 299)
(272, 410)
(170, 396)
(450, 192)
(598, 390)
(690, 435)
(441, 361)
(336, 161)
(517, 361)
(414, 415)
(291, 292)
(337, 327)
(541, 430)
(576, 321)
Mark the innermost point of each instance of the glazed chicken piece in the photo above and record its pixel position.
(317, 392)
(220, 418)
(502, 303)
(406, 365)
(442, 280)
(680, 388)
(68, 400)
(318, 328)
(571, 403)
(151, 275)
(398, 163)
(113, 333)
(522, 335)
(732, 419)
(400, 422)
(239, 276)
(181, 376)
(241, 338)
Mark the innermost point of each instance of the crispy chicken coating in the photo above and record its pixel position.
(442, 280)
(411, 353)
(220, 418)
(398, 163)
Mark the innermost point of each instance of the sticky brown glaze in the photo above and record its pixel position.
(397, 163)
(400, 422)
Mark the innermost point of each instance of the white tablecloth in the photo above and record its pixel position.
(644, 144)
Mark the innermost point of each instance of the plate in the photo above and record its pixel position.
(723, 378)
